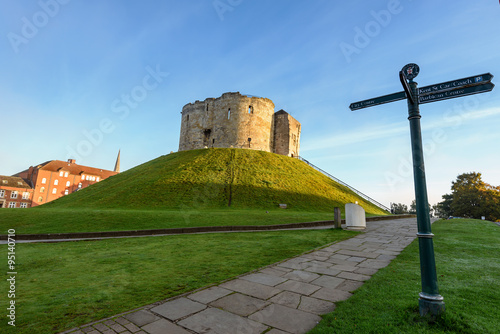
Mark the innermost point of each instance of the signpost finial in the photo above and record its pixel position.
(410, 71)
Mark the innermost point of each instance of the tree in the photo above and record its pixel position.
(398, 208)
(471, 198)
(413, 207)
(468, 195)
(443, 209)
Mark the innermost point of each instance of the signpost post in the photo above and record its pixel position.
(430, 302)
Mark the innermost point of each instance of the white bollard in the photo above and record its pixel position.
(355, 218)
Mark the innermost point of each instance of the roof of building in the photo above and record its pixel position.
(13, 181)
(72, 168)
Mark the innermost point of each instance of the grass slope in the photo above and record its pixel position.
(217, 178)
(468, 269)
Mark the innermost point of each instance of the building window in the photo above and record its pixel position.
(54, 190)
(2, 193)
(56, 182)
(187, 118)
(13, 194)
(5, 181)
(26, 195)
(19, 183)
(66, 174)
(250, 110)
(12, 204)
(80, 185)
(93, 178)
(40, 199)
(44, 180)
(83, 177)
(97, 179)
(66, 192)
(42, 189)
(229, 113)
(61, 173)
(24, 205)
(67, 184)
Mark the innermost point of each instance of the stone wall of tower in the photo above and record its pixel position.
(286, 134)
(232, 120)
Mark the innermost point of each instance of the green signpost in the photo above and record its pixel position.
(430, 301)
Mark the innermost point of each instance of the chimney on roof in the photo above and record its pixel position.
(72, 161)
(117, 164)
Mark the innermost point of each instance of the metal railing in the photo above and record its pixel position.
(357, 192)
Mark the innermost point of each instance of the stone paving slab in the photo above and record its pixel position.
(215, 321)
(163, 326)
(301, 275)
(240, 304)
(250, 288)
(264, 279)
(276, 331)
(316, 306)
(142, 317)
(209, 295)
(285, 298)
(298, 287)
(332, 295)
(178, 308)
(348, 285)
(287, 319)
(328, 281)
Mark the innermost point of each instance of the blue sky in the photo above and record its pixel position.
(86, 78)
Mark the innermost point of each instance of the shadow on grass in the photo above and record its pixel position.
(447, 322)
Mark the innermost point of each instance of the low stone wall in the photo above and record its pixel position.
(186, 230)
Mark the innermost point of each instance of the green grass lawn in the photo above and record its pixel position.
(468, 266)
(51, 220)
(63, 285)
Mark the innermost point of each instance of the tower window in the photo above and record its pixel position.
(229, 113)
(187, 118)
(250, 110)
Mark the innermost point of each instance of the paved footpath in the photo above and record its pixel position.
(286, 297)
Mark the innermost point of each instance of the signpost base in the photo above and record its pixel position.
(431, 308)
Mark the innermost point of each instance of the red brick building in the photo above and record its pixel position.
(53, 179)
(15, 192)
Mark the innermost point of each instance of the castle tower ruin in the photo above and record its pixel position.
(239, 121)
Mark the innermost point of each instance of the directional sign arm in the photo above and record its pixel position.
(378, 100)
(455, 84)
(460, 92)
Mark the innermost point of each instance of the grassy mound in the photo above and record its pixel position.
(214, 179)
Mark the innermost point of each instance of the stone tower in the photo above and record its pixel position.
(239, 121)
